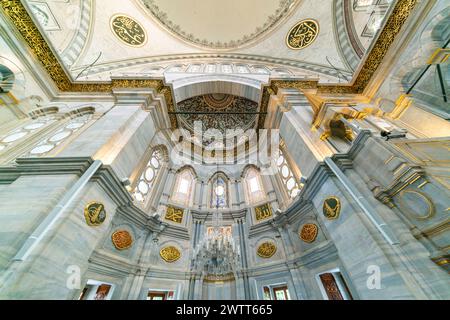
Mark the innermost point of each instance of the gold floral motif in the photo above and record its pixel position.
(170, 254)
(128, 30)
(303, 34)
(332, 208)
(174, 214)
(309, 232)
(263, 212)
(267, 250)
(122, 239)
(94, 213)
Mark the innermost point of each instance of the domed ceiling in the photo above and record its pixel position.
(219, 24)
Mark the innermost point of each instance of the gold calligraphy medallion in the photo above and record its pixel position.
(302, 34)
(174, 214)
(170, 254)
(95, 213)
(128, 31)
(122, 239)
(309, 232)
(266, 250)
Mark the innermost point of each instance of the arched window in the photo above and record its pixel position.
(7, 79)
(58, 137)
(219, 191)
(149, 175)
(287, 176)
(183, 189)
(25, 130)
(253, 186)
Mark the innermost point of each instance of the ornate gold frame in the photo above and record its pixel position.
(135, 21)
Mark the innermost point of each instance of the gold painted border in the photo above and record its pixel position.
(137, 22)
(295, 25)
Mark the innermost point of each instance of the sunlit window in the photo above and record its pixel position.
(58, 137)
(254, 186)
(24, 131)
(183, 187)
(287, 176)
(148, 177)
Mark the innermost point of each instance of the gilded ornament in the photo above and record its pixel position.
(170, 254)
(309, 232)
(128, 30)
(95, 213)
(263, 212)
(174, 214)
(332, 208)
(266, 250)
(303, 34)
(122, 239)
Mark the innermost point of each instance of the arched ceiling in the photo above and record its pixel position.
(218, 24)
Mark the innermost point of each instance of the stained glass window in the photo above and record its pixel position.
(219, 192)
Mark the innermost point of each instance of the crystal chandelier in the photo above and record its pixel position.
(217, 254)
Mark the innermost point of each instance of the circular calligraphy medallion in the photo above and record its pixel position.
(170, 254)
(309, 232)
(128, 31)
(94, 213)
(302, 34)
(122, 239)
(267, 250)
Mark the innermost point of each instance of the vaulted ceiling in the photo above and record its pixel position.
(98, 39)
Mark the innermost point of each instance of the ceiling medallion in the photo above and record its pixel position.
(267, 250)
(170, 254)
(332, 208)
(94, 213)
(309, 232)
(303, 34)
(122, 239)
(128, 31)
(174, 214)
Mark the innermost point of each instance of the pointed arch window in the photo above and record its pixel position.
(254, 186)
(287, 176)
(184, 187)
(219, 191)
(148, 176)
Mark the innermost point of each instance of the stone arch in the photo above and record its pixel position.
(208, 84)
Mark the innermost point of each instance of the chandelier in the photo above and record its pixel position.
(217, 253)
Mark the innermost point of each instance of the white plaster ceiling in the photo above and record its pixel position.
(80, 33)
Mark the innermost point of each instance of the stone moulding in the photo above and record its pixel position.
(20, 18)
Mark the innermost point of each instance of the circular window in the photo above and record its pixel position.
(14, 137)
(149, 174)
(285, 171)
(290, 184)
(75, 125)
(143, 187)
(220, 190)
(280, 160)
(295, 192)
(42, 149)
(60, 136)
(155, 163)
(34, 126)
